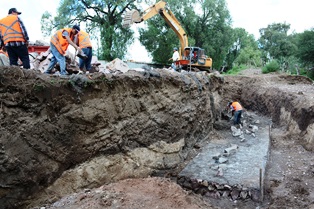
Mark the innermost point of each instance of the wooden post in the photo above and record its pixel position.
(261, 186)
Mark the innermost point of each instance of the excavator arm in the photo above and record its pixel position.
(194, 56)
(134, 16)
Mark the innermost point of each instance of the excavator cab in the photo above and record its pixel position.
(196, 55)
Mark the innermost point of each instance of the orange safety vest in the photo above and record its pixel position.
(84, 40)
(60, 42)
(11, 29)
(236, 106)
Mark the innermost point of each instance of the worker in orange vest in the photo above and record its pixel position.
(14, 37)
(59, 43)
(236, 109)
(83, 41)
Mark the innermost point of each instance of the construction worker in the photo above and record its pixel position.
(236, 109)
(59, 43)
(14, 37)
(83, 41)
(175, 57)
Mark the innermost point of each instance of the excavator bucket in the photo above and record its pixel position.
(130, 17)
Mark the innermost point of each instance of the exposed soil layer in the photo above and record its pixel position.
(63, 135)
(134, 193)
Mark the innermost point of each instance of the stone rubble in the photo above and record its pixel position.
(215, 190)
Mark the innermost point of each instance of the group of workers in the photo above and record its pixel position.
(14, 43)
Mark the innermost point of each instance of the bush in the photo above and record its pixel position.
(272, 66)
(310, 73)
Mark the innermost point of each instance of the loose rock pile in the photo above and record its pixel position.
(41, 61)
(215, 190)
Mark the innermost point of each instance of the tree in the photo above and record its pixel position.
(275, 42)
(157, 42)
(206, 22)
(245, 46)
(249, 56)
(306, 47)
(103, 18)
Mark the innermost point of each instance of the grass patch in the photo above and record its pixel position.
(236, 70)
(38, 87)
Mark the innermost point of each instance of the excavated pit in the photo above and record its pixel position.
(61, 135)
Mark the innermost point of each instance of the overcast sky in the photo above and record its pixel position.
(255, 14)
(32, 11)
(248, 14)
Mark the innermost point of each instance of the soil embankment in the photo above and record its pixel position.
(67, 134)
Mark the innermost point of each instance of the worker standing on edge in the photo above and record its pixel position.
(236, 109)
(175, 57)
(83, 41)
(59, 43)
(14, 37)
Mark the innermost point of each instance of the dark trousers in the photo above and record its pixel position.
(237, 117)
(16, 52)
(87, 62)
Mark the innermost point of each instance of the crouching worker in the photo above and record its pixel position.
(236, 110)
(59, 43)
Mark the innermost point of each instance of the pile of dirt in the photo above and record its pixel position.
(134, 193)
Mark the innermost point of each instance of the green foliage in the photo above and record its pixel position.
(272, 66)
(160, 45)
(103, 19)
(306, 47)
(46, 23)
(275, 43)
(290, 65)
(38, 87)
(310, 73)
(249, 56)
(236, 70)
(241, 40)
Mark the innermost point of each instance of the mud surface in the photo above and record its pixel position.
(62, 137)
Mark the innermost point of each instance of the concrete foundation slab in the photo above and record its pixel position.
(235, 162)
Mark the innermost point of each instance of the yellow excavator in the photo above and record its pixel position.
(193, 57)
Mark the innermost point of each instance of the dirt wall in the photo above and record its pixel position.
(288, 100)
(50, 125)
